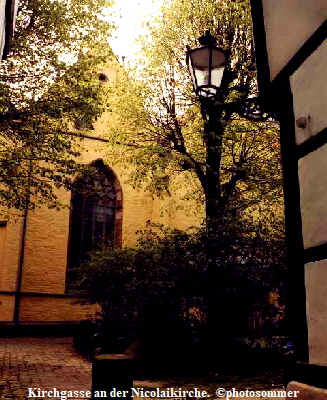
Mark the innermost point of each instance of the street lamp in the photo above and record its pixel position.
(206, 65)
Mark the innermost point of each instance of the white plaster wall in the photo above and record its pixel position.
(313, 197)
(310, 94)
(316, 289)
(310, 102)
(289, 23)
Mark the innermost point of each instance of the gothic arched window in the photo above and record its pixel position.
(95, 219)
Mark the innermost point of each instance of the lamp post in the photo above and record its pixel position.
(211, 77)
(207, 65)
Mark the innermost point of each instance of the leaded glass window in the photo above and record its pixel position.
(93, 215)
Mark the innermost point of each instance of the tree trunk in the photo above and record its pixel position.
(213, 139)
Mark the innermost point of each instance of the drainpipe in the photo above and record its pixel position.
(20, 269)
(22, 251)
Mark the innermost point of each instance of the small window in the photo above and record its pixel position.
(103, 78)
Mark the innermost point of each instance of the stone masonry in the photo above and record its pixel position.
(44, 363)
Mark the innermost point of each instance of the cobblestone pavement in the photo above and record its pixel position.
(44, 363)
(52, 362)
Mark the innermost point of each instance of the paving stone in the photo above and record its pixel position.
(44, 363)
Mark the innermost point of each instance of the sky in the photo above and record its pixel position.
(132, 14)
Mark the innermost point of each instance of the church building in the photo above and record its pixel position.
(38, 252)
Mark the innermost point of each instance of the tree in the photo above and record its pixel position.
(49, 81)
(231, 162)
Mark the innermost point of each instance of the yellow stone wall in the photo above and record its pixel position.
(46, 245)
(9, 256)
(7, 303)
(55, 309)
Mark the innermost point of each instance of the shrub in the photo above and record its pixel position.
(164, 289)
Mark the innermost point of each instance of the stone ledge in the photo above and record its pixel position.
(307, 392)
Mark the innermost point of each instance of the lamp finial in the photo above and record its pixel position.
(207, 39)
